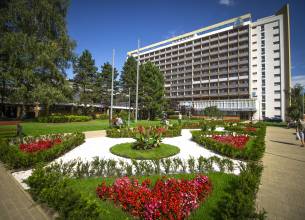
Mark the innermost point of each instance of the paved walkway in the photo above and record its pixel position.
(282, 193)
(95, 134)
(15, 203)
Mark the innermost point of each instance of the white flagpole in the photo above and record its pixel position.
(137, 86)
(112, 79)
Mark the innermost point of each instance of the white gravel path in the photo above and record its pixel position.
(100, 147)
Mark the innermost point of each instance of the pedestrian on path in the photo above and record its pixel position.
(300, 132)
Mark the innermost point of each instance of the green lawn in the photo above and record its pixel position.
(219, 181)
(37, 128)
(126, 150)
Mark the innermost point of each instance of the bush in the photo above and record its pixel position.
(239, 201)
(11, 155)
(253, 150)
(64, 118)
(171, 131)
(102, 116)
(53, 188)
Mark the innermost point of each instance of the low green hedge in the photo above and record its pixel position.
(253, 150)
(15, 158)
(172, 131)
(54, 189)
(64, 118)
(240, 197)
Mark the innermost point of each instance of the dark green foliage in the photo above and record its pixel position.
(129, 78)
(240, 197)
(85, 75)
(63, 118)
(54, 189)
(212, 111)
(253, 150)
(103, 84)
(295, 109)
(14, 158)
(35, 51)
(151, 91)
(172, 131)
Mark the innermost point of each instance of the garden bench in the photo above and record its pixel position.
(10, 131)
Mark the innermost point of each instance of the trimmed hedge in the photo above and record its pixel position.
(172, 131)
(52, 188)
(240, 197)
(64, 118)
(254, 149)
(14, 158)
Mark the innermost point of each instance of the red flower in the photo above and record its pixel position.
(238, 141)
(39, 145)
(168, 199)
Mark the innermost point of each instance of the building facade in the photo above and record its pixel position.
(240, 66)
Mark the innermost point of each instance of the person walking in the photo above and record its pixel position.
(300, 131)
(180, 118)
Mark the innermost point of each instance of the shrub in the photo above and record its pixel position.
(15, 158)
(148, 138)
(239, 201)
(52, 188)
(171, 131)
(64, 118)
(253, 150)
(102, 116)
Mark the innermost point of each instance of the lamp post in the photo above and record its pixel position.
(129, 107)
(137, 86)
(112, 78)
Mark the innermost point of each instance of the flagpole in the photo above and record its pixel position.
(137, 86)
(112, 78)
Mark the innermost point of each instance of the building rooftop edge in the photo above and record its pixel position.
(190, 34)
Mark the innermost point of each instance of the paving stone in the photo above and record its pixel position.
(282, 189)
(16, 204)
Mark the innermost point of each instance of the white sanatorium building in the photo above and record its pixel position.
(240, 66)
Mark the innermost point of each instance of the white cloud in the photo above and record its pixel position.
(300, 79)
(226, 2)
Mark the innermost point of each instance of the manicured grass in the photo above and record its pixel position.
(125, 150)
(206, 210)
(37, 128)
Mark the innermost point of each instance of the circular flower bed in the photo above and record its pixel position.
(127, 150)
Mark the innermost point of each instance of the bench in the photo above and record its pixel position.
(10, 129)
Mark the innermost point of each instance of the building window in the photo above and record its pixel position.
(277, 108)
(276, 59)
(276, 67)
(254, 42)
(276, 27)
(277, 83)
(276, 35)
(277, 92)
(254, 50)
(277, 75)
(277, 100)
(253, 35)
(255, 81)
(276, 51)
(276, 42)
(254, 73)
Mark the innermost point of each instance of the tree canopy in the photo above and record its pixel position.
(212, 111)
(35, 48)
(295, 110)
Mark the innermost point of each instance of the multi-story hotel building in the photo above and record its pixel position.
(239, 65)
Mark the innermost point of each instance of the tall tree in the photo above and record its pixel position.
(34, 47)
(151, 91)
(85, 75)
(103, 86)
(129, 78)
(295, 110)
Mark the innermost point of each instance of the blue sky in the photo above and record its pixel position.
(101, 25)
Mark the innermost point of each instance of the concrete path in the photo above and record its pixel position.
(95, 134)
(15, 203)
(282, 190)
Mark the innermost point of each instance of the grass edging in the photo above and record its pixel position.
(125, 150)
